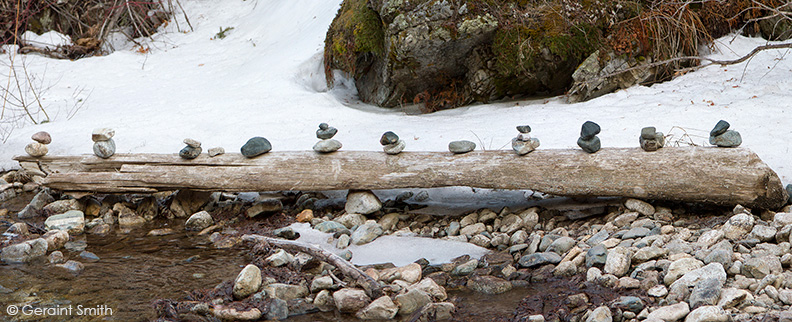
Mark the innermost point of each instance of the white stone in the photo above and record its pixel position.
(102, 134)
(640, 206)
(362, 202)
(600, 314)
(280, 258)
(72, 221)
(199, 221)
(657, 291)
(36, 149)
(382, 308)
(708, 313)
(618, 261)
(247, 282)
(349, 300)
(680, 267)
(670, 313)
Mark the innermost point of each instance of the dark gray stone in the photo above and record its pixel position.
(636, 232)
(524, 128)
(706, 292)
(286, 233)
(589, 130)
(278, 309)
(648, 132)
(650, 139)
(599, 237)
(539, 259)
(190, 152)
(389, 138)
(789, 192)
(720, 128)
(104, 149)
(39, 201)
(729, 139)
(327, 146)
(256, 146)
(629, 303)
(325, 132)
(591, 145)
(462, 146)
(596, 256)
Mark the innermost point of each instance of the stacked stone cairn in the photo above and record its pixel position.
(39, 147)
(588, 140)
(256, 146)
(460, 147)
(650, 139)
(192, 150)
(523, 143)
(391, 143)
(723, 137)
(326, 142)
(104, 146)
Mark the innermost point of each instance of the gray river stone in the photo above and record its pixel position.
(462, 146)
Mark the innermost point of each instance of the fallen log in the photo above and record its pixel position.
(372, 287)
(694, 174)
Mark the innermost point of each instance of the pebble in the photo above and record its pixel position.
(591, 145)
(524, 147)
(72, 266)
(525, 129)
(395, 148)
(104, 149)
(256, 146)
(190, 152)
(389, 138)
(650, 139)
(463, 146)
(192, 143)
(327, 146)
(36, 149)
(589, 130)
(720, 128)
(325, 132)
(42, 137)
(729, 139)
(213, 152)
(102, 134)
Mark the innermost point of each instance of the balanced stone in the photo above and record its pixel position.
(42, 137)
(104, 149)
(256, 146)
(589, 130)
(524, 147)
(36, 149)
(462, 146)
(591, 145)
(192, 143)
(395, 148)
(102, 134)
(325, 131)
(190, 152)
(327, 146)
(389, 138)
(524, 129)
(720, 128)
(650, 139)
(729, 139)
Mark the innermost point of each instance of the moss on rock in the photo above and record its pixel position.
(356, 30)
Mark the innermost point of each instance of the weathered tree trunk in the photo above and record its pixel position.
(372, 287)
(695, 174)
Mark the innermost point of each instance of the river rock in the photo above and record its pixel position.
(488, 284)
(411, 301)
(618, 261)
(738, 226)
(720, 128)
(596, 256)
(61, 206)
(325, 131)
(729, 139)
(561, 245)
(102, 134)
(56, 257)
(651, 140)
(72, 266)
(264, 206)
(708, 313)
(465, 268)
(330, 226)
(690, 279)
(589, 145)
(88, 256)
(429, 286)
(350, 220)
(764, 233)
(72, 221)
(349, 300)
(523, 147)
(648, 253)
(473, 230)
(41, 199)
(394, 148)
(539, 259)
(670, 313)
(589, 130)
(362, 202)
(389, 221)
(463, 146)
(759, 267)
(42, 137)
(286, 292)
(36, 149)
(19, 228)
(389, 138)
(681, 267)
(280, 258)
(366, 233)
(324, 301)
(706, 292)
(382, 308)
(322, 283)
(730, 297)
(600, 314)
(192, 143)
(232, 314)
(127, 218)
(256, 146)
(247, 282)
(56, 239)
(189, 152)
(199, 221)
(104, 149)
(636, 232)
(25, 251)
(277, 309)
(100, 230)
(213, 152)
(327, 146)
(640, 206)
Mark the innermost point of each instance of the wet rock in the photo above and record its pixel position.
(42, 137)
(600, 314)
(463, 146)
(62, 206)
(102, 134)
(465, 268)
(36, 149)
(412, 301)
(189, 152)
(670, 313)
(349, 300)
(72, 221)
(429, 286)
(72, 266)
(41, 199)
(88, 256)
(327, 146)
(489, 284)
(101, 230)
(362, 202)
(247, 282)
(280, 258)
(366, 233)
(618, 261)
(56, 257)
(382, 308)
(160, 232)
(706, 292)
(24, 252)
(286, 292)
(439, 311)
(232, 314)
(539, 259)
(256, 146)
(640, 206)
(198, 221)
(104, 149)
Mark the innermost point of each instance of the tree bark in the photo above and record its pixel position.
(693, 174)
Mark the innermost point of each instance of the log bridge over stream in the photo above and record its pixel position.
(692, 174)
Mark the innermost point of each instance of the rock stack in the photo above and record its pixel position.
(104, 146)
(650, 139)
(39, 147)
(523, 143)
(326, 142)
(192, 150)
(588, 140)
(391, 143)
(723, 137)
(256, 146)
(463, 146)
